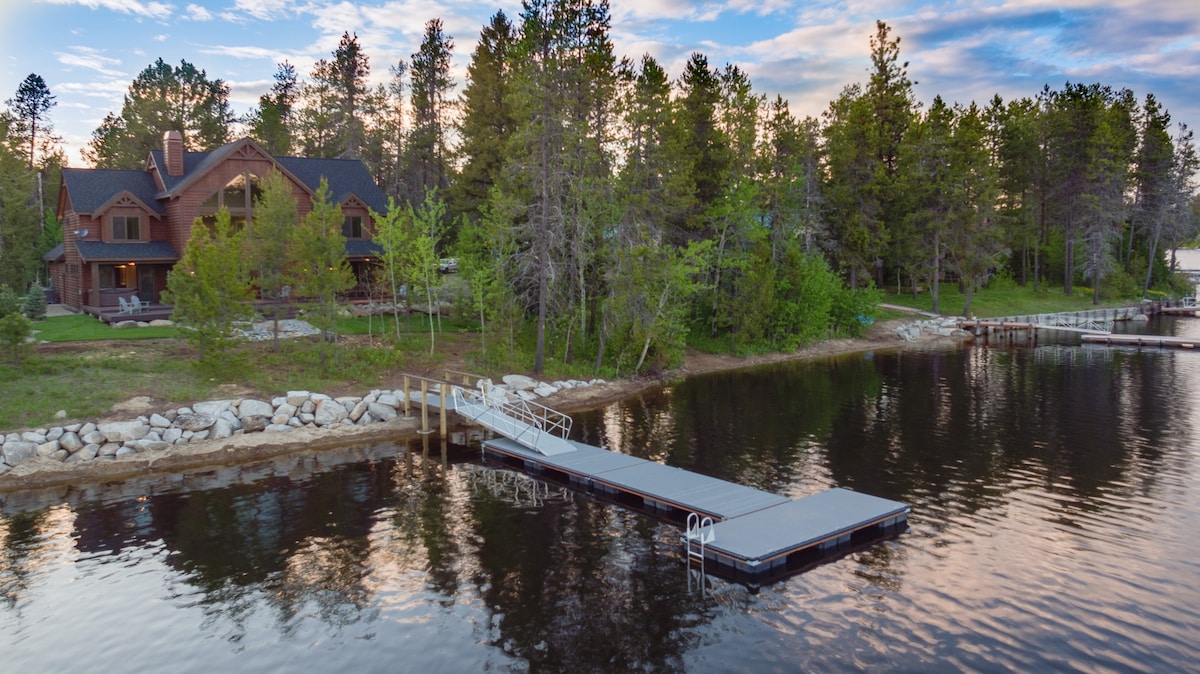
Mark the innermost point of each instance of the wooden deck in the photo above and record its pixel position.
(756, 536)
(114, 314)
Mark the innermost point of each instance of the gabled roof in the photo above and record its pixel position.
(346, 177)
(137, 251)
(91, 189)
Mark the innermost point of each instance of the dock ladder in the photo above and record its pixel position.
(699, 534)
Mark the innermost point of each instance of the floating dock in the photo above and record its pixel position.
(747, 534)
(1142, 340)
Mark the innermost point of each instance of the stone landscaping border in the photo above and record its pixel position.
(219, 419)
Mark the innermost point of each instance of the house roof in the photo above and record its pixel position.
(90, 189)
(362, 248)
(346, 177)
(138, 251)
(56, 253)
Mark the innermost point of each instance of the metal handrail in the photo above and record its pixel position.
(525, 422)
(534, 414)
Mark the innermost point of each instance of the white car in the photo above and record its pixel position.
(448, 265)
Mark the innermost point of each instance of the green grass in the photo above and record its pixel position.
(416, 323)
(1011, 300)
(87, 384)
(84, 328)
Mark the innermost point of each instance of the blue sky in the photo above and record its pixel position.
(88, 51)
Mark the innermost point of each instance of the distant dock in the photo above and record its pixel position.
(1142, 340)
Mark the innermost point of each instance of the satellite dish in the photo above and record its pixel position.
(81, 233)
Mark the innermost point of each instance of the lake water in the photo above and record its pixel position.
(1055, 492)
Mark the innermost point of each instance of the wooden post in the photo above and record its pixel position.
(424, 405)
(442, 411)
(407, 397)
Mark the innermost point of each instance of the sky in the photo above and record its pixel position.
(807, 51)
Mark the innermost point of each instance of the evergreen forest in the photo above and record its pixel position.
(607, 213)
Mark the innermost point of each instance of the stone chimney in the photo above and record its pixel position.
(173, 152)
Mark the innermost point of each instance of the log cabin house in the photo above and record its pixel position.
(123, 230)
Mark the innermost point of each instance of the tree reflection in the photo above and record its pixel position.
(583, 586)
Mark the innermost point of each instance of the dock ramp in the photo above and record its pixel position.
(534, 426)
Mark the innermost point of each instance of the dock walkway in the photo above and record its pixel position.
(754, 535)
(731, 529)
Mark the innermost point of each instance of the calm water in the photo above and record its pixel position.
(1055, 493)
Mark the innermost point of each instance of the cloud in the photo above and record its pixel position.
(91, 59)
(198, 13)
(150, 10)
(266, 10)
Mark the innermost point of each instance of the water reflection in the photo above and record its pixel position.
(1053, 489)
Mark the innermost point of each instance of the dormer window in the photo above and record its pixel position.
(126, 228)
(352, 228)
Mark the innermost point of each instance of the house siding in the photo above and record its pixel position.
(175, 212)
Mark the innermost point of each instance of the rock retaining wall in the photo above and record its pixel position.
(217, 419)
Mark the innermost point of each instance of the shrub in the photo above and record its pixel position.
(35, 304)
(10, 301)
(14, 331)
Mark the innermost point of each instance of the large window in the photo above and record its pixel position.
(352, 228)
(126, 228)
(118, 276)
(238, 196)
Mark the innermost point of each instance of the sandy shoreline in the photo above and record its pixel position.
(42, 474)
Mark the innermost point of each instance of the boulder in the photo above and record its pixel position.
(389, 399)
(161, 323)
(108, 449)
(255, 424)
(525, 395)
(286, 409)
(194, 422)
(255, 408)
(147, 445)
(172, 435)
(55, 433)
(277, 428)
(124, 431)
(47, 448)
(303, 419)
(70, 441)
(92, 437)
(124, 450)
(221, 429)
(519, 382)
(544, 390)
(308, 407)
(212, 407)
(329, 412)
(381, 412)
(16, 451)
(159, 421)
(360, 409)
(297, 398)
(86, 428)
(33, 436)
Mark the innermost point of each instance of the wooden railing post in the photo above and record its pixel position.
(442, 411)
(407, 396)
(424, 405)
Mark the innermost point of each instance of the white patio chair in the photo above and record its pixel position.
(126, 307)
(138, 305)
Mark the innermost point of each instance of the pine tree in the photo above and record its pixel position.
(271, 124)
(31, 109)
(268, 239)
(487, 119)
(210, 290)
(322, 271)
(430, 90)
(162, 98)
